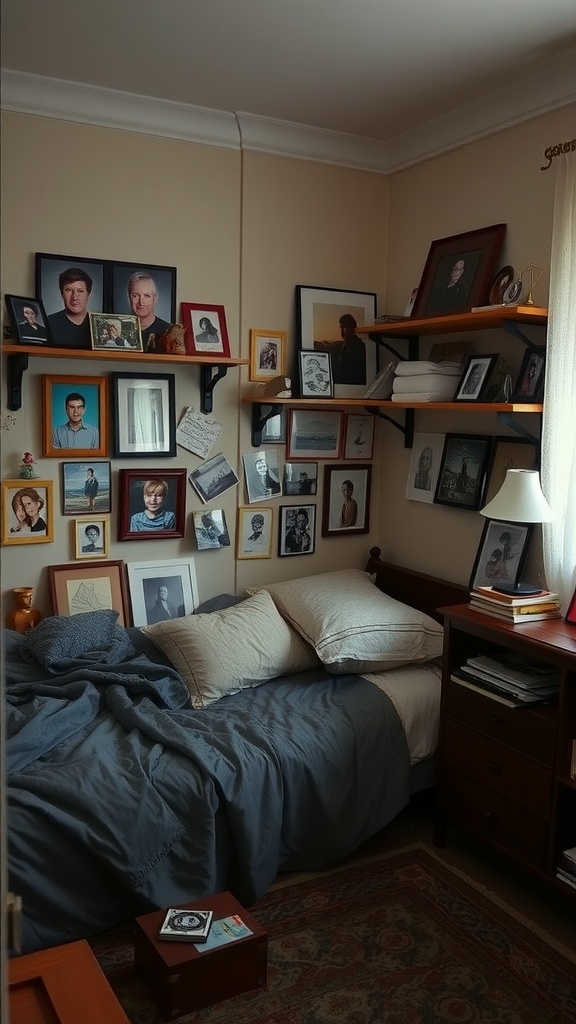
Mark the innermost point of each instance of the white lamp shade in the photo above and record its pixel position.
(520, 499)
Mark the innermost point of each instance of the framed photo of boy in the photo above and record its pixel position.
(267, 354)
(501, 554)
(463, 471)
(74, 416)
(205, 329)
(346, 507)
(144, 414)
(151, 504)
(162, 590)
(70, 287)
(297, 530)
(28, 320)
(327, 320)
(86, 488)
(91, 537)
(115, 333)
(146, 291)
(89, 588)
(458, 272)
(254, 536)
(27, 512)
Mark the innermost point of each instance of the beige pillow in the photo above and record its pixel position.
(353, 626)
(227, 651)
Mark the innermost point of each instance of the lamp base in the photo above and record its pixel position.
(517, 589)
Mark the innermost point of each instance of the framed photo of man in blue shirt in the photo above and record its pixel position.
(74, 416)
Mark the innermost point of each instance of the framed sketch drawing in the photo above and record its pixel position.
(206, 332)
(424, 466)
(254, 539)
(89, 588)
(463, 471)
(315, 375)
(91, 537)
(27, 512)
(162, 589)
(346, 506)
(74, 416)
(326, 320)
(297, 530)
(267, 354)
(359, 436)
(144, 415)
(501, 553)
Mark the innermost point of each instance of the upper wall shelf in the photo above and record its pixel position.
(485, 320)
(212, 367)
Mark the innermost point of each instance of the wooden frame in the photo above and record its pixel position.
(206, 332)
(508, 453)
(318, 315)
(91, 537)
(148, 496)
(261, 475)
(315, 373)
(425, 462)
(358, 436)
(267, 354)
(89, 588)
(346, 508)
(296, 530)
(144, 415)
(501, 553)
(28, 320)
(62, 398)
(177, 575)
(462, 473)
(91, 280)
(445, 286)
(473, 382)
(153, 295)
(314, 434)
(115, 333)
(570, 617)
(211, 529)
(530, 384)
(300, 478)
(27, 512)
(76, 495)
(254, 533)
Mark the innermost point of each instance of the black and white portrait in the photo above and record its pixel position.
(262, 475)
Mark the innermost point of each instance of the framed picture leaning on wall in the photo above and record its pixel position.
(28, 320)
(346, 506)
(326, 320)
(146, 291)
(458, 272)
(162, 589)
(70, 287)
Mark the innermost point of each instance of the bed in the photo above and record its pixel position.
(277, 732)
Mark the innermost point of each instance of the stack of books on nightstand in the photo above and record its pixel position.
(510, 679)
(543, 605)
(566, 869)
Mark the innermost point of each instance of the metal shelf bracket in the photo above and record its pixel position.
(16, 365)
(407, 428)
(209, 377)
(513, 327)
(509, 421)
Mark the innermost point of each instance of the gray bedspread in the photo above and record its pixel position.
(122, 798)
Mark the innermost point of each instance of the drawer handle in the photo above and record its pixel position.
(493, 766)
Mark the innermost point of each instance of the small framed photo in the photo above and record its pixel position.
(359, 436)
(28, 320)
(501, 554)
(205, 329)
(161, 590)
(424, 468)
(463, 471)
(151, 504)
(297, 530)
(267, 354)
(508, 453)
(262, 475)
(86, 488)
(315, 375)
(146, 291)
(89, 588)
(300, 478)
(213, 478)
(91, 537)
(530, 384)
(571, 613)
(254, 539)
(211, 530)
(476, 376)
(115, 332)
(27, 512)
(346, 506)
(144, 415)
(70, 287)
(458, 272)
(74, 416)
(327, 320)
(314, 434)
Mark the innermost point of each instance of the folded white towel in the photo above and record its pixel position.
(415, 397)
(410, 368)
(425, 382)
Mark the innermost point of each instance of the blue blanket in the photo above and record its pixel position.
(122, 798)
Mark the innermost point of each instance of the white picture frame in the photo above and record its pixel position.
(425, 462)
(145, 579)
(318, 314)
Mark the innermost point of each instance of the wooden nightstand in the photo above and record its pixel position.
(504, 773)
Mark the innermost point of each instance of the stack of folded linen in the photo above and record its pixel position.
(424, 381)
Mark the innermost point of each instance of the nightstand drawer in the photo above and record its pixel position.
(528, 731)
(496, 819)
(500, 769)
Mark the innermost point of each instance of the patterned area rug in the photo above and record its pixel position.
(397, 938)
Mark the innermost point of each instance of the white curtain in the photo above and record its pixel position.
(559, 422)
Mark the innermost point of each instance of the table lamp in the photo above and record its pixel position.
(519, 500)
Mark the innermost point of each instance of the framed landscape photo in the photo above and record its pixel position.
(74, 416)
(151, 504)
(28, 320)
(91, 537)
(463, 471)
(501, 554)
(69, 288)
(146, 291)
(359, 436)
(297, 530)
(458, 272)
(346, 506)
(115, 333)
(206, 332)
(476, 376)
(508, 453)
(315, 375)
(213, 477)
(425, 460)
(27, 512)
(326, 320)
(254, 535)
(89, 588)
(267, 354)
(86, 488)
(162, 589)
(300, 478)
(144, 415)
(530, 383)
(314, 434)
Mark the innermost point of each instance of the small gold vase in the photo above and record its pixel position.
(24, 617)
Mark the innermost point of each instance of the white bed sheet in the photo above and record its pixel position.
(415, 693)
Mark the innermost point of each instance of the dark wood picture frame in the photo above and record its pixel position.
(462, 476)
(530, 384)
(336, 497)
(134, 484)
(296, 530)
(99, 585)
(31, 329)
(163, 305)
(474, 381)
(93, 277)
(478, 251)
(157, 438)
(94, 392)
(501, 553)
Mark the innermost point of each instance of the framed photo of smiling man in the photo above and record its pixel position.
(70, 287)
(148, 292)
(74, 416)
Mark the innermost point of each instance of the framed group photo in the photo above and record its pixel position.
(327, 320)
(86, 488)
(346, 506)
(28, 320)
(458, 272)
(144, 415)
(501, 554)
(27, 512)
(254, 534)
(74, 416)
(69, 288)
(314, 434)
(206, 332)
(463, 471)
(162, 590)
(151, 504)
(91, 537)
(115, 332)
(267, 354)
(146, 291)
(297, 530)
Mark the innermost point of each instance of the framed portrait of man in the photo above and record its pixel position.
(74, 416)
(70, 287)
(146, 291)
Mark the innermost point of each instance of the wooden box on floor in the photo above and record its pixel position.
(182, 979)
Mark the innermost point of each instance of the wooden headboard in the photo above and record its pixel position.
(428, 593)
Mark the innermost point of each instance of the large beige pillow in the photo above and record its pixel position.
(353, 626)
(227, 651)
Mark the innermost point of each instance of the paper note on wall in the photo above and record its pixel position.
(197, 432)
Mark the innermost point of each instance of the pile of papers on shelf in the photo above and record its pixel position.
(566, 869)
(526, 608)
(423, 380)
(510, 678)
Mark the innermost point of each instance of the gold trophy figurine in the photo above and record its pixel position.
(531, 269)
